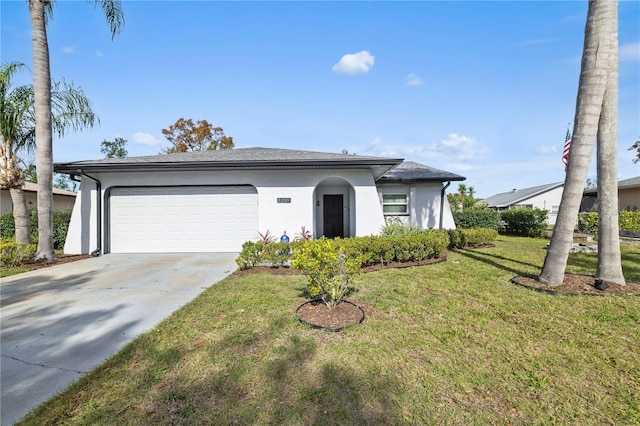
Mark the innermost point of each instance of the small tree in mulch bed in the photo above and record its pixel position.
(329, 271)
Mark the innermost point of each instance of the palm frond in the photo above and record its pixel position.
(113, 12)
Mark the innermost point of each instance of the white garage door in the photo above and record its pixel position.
(182, 219)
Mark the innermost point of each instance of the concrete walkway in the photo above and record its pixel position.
(58, 323)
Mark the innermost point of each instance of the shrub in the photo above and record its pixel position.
(393, 226)
(588, 222)
(470, 219)
(329, 271)
(628, 221)
(60, 222)
(14, 254)
(476, 237)
(525, 221)
(251, 254)
(277, 254)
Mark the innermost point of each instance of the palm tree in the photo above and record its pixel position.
(71, 111)
(609, 259)
(595, 116)
(39, 10)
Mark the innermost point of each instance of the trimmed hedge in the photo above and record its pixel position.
(407, 248)
(372, 250)
(524, 222)
(460, 238)
(473, 219)
(61, 221)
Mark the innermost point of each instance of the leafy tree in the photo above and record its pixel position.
(185, 135)
(590, 183)
(39, 12)
(636, 146)
(30, 173)
(64, 182)
(71, 109)
(596, 116)
(116, 148)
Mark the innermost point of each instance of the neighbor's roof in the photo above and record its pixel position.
(517, 196)
(633, 182)
(233, 159)
(33, 187)
(409, 172)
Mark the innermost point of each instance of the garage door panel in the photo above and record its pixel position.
(182, 219)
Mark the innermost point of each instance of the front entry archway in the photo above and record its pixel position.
(334, 214)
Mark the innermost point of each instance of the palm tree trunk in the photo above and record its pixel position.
(594, 73)
(44, 151)
(609, 263)
(20, 216)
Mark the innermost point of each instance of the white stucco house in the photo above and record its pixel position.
(213, 201)
(545, 197)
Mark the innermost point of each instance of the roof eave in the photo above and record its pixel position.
(420, 180)
(378, 167)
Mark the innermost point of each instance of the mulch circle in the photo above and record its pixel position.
(318, 315)
(575, 284)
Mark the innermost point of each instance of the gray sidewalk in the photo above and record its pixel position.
(59, 323)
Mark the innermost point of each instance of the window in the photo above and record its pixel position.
(555, 209)
(395, 204)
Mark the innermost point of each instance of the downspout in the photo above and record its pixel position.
(98, 249)
(444, 188)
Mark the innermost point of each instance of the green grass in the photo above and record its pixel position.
(449, 343)
(7, 272)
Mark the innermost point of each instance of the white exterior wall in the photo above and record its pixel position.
(424, 204)
(546, 201)
(298, 185)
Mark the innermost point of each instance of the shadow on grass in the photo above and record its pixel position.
(250, 376)
(587, 262)
(500, 262)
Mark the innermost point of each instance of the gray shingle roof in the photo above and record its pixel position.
(409, 172)
(230, 159)
(517, 196)
(385, 169)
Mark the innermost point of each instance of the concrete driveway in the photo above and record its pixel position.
(59, 323)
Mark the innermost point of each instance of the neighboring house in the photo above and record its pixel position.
(62, 200)
(546, 197)
(628, 196)
(213, 201)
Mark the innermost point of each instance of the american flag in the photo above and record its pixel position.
(565, 151)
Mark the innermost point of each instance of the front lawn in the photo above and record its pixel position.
(449, 343)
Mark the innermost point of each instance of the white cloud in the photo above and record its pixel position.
(460, 147)
(546, 149)
(68, 49)
(99, 54)
(355, 63)
(414, 80)
(145, 139)
(457, 167)
(629, 52)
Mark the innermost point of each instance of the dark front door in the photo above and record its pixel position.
(333, 216)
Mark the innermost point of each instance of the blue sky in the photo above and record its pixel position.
(482, 89)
